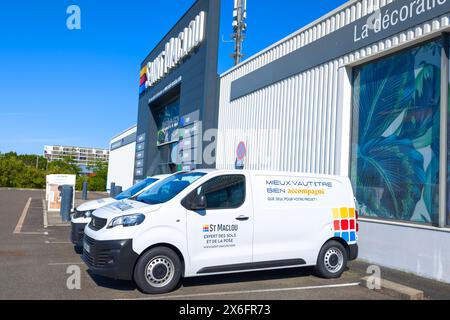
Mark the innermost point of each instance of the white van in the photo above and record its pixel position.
(82, 215)
(218, 221)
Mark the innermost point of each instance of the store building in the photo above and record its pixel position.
(363, 92)
(121, 159)
(178, 99)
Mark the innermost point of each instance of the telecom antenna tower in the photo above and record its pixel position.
(239, 28)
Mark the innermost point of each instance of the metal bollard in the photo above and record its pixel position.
(66, 202)
(117, 190)
(84, 195)
(112, 190)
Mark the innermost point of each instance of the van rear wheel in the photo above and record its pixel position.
(332, 260)
(158, 271)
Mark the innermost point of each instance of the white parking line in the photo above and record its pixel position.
(22, 217)
(245, 292)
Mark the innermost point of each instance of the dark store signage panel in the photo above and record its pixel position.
(140, 147)
(139, 164)
(190, 118)
(190, 155)
(139, 172)
(140, 155)
(140, 138)
(189, 142)
(189, 131)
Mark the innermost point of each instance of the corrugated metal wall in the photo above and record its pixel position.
(296, 125)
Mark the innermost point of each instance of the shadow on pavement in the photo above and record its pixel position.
(121, 285)
(278, 274)
(249, 277)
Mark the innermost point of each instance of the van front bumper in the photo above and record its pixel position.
(113, 259)
(77, 233)
(352, 252)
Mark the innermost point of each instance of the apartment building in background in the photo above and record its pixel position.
(83, 157)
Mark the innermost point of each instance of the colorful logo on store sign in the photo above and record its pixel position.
(344, 224)
(206, 228)
(143, 80)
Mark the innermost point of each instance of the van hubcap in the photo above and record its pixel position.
(334, 260)
(159, 271)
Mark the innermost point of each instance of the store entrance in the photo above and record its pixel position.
(166, 113)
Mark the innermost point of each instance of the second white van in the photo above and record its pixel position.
(82, 215)
(209, 222)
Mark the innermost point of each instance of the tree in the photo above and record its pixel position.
(97, 182)
(14, 173)
(29, 171)
(65, 166)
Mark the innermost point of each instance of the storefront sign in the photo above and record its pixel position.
(176, 49)
(171, 85)
(386, 18)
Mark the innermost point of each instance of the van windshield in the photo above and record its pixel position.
(168, 188)
(135, 189)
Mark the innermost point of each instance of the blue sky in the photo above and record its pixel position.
(80, 87)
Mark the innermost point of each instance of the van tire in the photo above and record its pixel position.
(158, 271)
(332, 260)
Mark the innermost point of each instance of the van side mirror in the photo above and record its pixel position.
(199, 203)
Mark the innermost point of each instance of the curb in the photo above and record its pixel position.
(394, 289)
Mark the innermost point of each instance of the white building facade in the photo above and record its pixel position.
(361, 92)
(122, 157)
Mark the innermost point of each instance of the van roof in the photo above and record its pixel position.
(268, 172)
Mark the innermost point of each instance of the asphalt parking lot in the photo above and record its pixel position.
(35, 262)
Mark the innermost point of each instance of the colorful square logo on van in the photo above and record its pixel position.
(344, 213)
(344, 224)
(206, 228)
(335, 213)
(337, 226)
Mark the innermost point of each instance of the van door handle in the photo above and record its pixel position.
(242, 218)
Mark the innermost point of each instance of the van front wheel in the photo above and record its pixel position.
(158, 271)
(332, 260)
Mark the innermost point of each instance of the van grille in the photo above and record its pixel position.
(97, 223)
(95, 259)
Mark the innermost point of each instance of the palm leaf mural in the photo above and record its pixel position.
(419, 117)
(390, 177)
(397, 102)
(386, 90)
(431, 188)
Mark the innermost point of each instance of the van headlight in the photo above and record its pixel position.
(83, 214)
(127, 221)
(88, 214)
